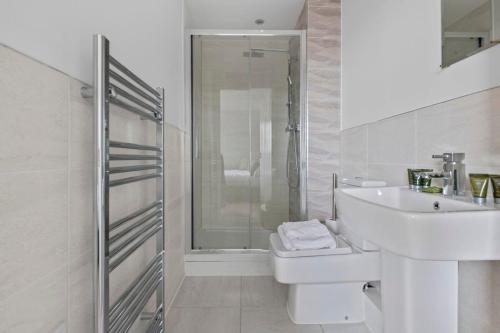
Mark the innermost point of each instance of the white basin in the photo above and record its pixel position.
(406, 223)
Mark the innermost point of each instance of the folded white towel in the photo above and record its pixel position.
(305, 230)
(322, 242)
(286, 242)
(318, 243)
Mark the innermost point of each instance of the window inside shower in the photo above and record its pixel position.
(246, 139)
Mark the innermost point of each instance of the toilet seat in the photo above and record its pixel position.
(279, 249)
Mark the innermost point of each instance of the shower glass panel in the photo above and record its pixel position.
(245, 146)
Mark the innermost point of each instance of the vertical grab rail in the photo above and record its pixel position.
(117, 240)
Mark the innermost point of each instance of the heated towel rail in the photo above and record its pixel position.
(114, 84)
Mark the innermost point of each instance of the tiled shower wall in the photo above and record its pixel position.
(385, 149)
(46, 200)
(322, 19)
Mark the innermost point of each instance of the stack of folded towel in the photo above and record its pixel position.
(307, 235)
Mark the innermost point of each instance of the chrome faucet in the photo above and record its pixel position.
(453, 173)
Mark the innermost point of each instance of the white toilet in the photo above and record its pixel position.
(326, 286)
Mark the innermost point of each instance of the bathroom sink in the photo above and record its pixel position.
(420, 225)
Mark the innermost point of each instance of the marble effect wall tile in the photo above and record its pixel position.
(392, 141)
(81, 132)
(81, 294)
(302, 21)
(354, 152)
(469, 124)
(34, 114)
(323, 80)
(326, 3)
(33, 220)
(324, 21)
(40, 307)
(324, 54)
(81, 212)
(175, 246)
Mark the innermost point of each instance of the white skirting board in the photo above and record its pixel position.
(227, 264)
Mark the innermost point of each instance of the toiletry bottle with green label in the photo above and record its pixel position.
(479, 184)
(495, 182)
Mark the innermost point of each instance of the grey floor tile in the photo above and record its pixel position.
(203, 320)
(345, 328)
(209, 292)
(262, 291)
(272, 320)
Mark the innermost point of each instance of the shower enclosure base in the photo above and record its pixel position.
(228, 263)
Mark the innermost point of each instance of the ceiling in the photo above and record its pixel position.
(241, 14)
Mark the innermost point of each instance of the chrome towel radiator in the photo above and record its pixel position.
(117, 240)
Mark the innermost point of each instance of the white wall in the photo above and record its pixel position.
(241, 14)
(391, 56)
(145, 35)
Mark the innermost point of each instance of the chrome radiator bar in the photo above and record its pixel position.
(116, 241)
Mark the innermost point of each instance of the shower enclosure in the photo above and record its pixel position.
(247, 148)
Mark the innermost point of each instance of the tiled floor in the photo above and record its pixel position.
(238, 305)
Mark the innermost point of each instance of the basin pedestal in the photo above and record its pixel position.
(419, 295)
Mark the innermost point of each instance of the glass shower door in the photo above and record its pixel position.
(269, 140)
(221, 143)
(243, 104)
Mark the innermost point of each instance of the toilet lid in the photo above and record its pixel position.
(279, 250)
